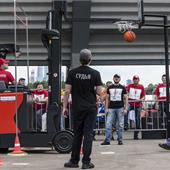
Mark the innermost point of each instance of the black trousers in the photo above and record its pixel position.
(162, 115)
(83, 125)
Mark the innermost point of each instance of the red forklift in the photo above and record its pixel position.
(16, 106)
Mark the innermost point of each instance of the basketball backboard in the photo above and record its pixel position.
(141, 18)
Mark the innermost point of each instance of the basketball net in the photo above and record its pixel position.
(124, 26)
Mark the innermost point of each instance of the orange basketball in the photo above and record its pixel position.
(129, 36)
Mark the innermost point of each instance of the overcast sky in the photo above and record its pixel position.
(147, 74)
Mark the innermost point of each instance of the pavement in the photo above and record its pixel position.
(133, 155)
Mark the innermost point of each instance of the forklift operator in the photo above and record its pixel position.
(5, 76)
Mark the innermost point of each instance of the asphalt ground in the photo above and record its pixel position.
(133, 155)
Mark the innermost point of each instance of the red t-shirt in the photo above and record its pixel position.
(6, 76)
(40, 95)
(160, 91)
(136, 92)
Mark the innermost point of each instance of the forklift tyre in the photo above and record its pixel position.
(3, 150)
(70, 130)
(62, 141)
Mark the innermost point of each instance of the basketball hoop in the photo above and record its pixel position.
(124, 26)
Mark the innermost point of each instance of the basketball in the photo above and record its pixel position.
(129, 36)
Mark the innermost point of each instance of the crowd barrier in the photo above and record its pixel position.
(152, 119)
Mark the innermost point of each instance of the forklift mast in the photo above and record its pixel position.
(51, 38)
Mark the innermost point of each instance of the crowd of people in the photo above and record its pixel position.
(39, 95)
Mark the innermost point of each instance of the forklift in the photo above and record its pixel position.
(16, 108)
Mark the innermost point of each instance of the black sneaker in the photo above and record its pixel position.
(88, 166)
(164, 146)
(71, 165)
(120, 143)
(105, 143)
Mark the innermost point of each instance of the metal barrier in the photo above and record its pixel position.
(152, 118)
(40, 117)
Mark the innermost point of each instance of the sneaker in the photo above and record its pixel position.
(88, 166)
(105, 143)
(164, 146)
(120, 143)
(71, 165)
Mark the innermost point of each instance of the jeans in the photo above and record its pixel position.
(83, 125)
(137, 118)
(115, 117)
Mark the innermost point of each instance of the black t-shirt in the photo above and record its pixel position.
(83, 80)
(116, 93)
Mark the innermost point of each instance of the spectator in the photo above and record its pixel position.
(160, 94)
(5, 76)
(40, 98)
(21, 82)
(136, 94)
(116, 107)
(109, 83)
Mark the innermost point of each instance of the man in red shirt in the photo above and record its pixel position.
(136, 93)
(5, 76)
(160, 94)
(40, 98)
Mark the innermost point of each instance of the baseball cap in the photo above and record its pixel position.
(3, 61)
(135, 77)
(117, 75)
